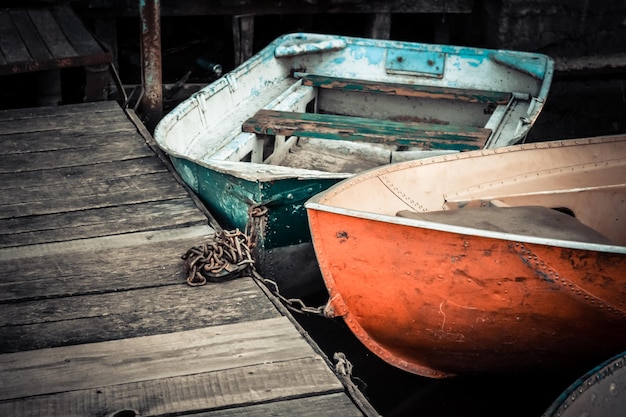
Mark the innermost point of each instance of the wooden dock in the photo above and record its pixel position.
(96, 318)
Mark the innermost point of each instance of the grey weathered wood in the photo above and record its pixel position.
(186, 394)
(243, 36)
(14, 181)
(70, 157)
(321, 405)
(28, 32)
(106, 264)
(51, 33)
(53, 140)
(103, 243)
(46, 38)
(66, 113)
(76, 33)
(160, 356)
(99, 222)
(89, 318)
(95, 313)
(89, 123)
(79, 195)
(12, 47)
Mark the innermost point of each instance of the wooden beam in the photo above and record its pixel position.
(271, 7)
(328, 126)
(151, 65)
(408, 90)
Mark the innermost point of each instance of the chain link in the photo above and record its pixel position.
(293, 304)
(229, 256)
(226, 257)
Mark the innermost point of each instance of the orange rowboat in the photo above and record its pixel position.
(498, 260)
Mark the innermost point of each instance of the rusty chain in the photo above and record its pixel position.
(226, 257)
(229, 256)
(293, 304)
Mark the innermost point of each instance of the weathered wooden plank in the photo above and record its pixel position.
(76, 33)
(51, 33)
(54, 36)
(338, 404)
(89, 195)
(30, 36)
(89, 123)
(13, 182)
(105, 243)
(107, 152)
(97, 283)
(52, 140)
(97, 265)
(408, 90)
(329, 126)
(154, 357)
(92, 318)
(78, 110)
(277, 384)
(99, 222)
(12, 47)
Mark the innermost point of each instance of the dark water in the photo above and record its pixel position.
(393, 392)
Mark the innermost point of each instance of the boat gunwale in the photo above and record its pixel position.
(467, 231)
(263, 172)
(317, 202)
(193, 103)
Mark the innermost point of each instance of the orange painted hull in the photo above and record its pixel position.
(439, 303)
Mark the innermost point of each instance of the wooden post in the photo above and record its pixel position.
(243, 37)
(49, 91)
(151, 75)
(381, 26)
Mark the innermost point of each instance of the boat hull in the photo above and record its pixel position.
(283, 248)
(437, 303)
(440, 86)
(448, 290)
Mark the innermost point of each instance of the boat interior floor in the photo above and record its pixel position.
(327, 156)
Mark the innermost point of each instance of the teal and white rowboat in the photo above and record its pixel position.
(310, 110)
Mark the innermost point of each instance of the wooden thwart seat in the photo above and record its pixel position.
(329, 126)
(408, 90)
(534, 221)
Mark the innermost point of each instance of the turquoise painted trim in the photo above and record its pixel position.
(229, 197)
(415, 61)
(534, 65)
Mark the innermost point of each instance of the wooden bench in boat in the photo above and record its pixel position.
(536, 221)
(408, 90)
(335, 127)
